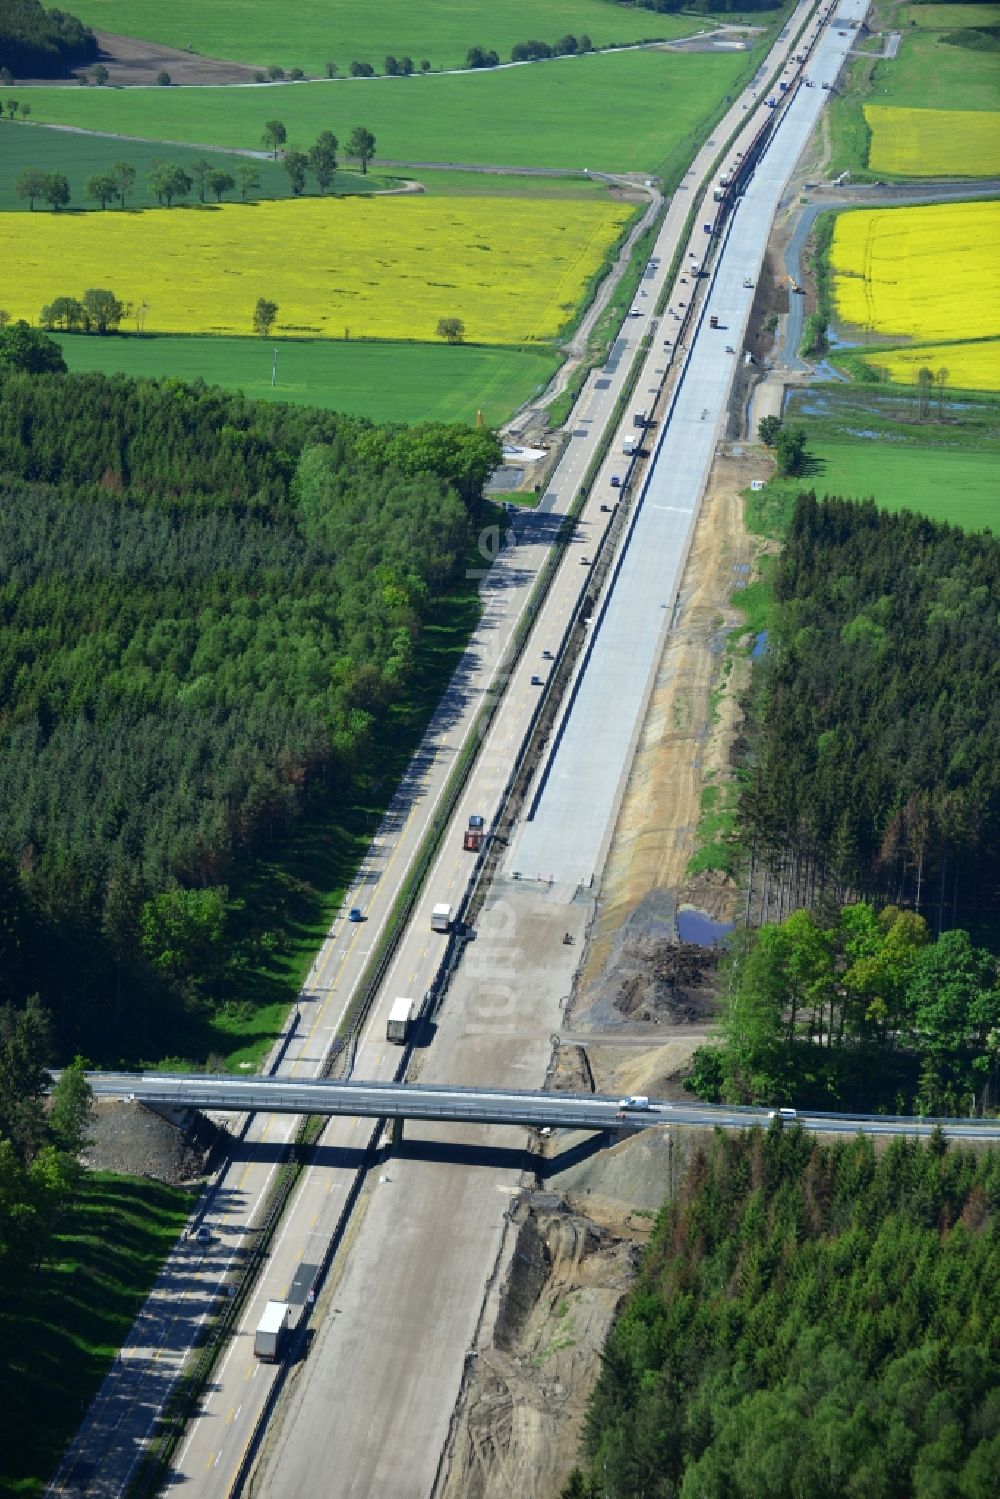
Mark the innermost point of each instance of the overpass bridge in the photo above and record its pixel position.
(221, 1094)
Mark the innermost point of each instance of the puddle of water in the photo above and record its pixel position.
(698, 927)
(759, 646)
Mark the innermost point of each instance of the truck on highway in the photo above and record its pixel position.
(630, 446)
(273, 1327)
(441, 917)
(401, 1017)
(640, 420)
(474, 835)
(713, 321)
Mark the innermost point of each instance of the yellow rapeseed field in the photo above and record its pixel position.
(383, 267)
(972, 366)
(933, 142)
(926, 273)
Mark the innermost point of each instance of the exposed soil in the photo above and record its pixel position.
(682, 743)
(131, 60)
(571, 1260)
(136, 1141)
(528, 1389)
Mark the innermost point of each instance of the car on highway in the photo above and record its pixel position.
(547, 656)
(355, 914)
(537, 682)
(782, 1114)
(202, 1234)
(636, 312)
(616, 483)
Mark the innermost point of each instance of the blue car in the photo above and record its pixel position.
(355, 914)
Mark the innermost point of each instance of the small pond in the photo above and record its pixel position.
(698, 927)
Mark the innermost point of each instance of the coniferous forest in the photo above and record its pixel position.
(872, 766)
(207, 607)
(810, 1320)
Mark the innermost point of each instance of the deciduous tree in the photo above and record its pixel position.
(56, 190)
(220, 183)
(30, 184)
(273, 136)
(323, 158)
(264, 315)
(451, 329)
(102, 187)
(361, 146)
(102, 310)
(296, 164)
(124, 175)
(25, 348)
(249, 179)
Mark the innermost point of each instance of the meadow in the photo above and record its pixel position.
(648, 105)
(388, 382)
(386, 267)
(929, 273)
(79, 155)
(960, 487)
(933, 142)
(311, 32)
(929, 73)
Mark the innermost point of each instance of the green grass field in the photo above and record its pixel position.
(947, 17)
(651, 102)
(78, 156)
(389, 382)
(864, 441)
(953, 486)
(62, 1331)
(311, 32)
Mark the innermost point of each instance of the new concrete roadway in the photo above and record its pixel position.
(103, 1458)
(606, 706)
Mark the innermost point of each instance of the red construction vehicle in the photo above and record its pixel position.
(472, 839)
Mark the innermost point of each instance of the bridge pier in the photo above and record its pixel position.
(396, 1131)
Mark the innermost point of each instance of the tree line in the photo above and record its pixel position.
(857, 1009)
(809, 1319)
(210, 608)
(870, 762)
(171, 183)
(40, 43)
(321, 158)
(39, 1145)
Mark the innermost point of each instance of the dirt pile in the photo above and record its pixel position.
(133, 1140)
(648, 976)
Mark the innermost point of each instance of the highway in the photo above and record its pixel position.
(536, 1110)
(626, 640)
(470, 1048)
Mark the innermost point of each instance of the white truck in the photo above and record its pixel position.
(630, 446)
(441, 917)
(275, 1323)
(401, 1017)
